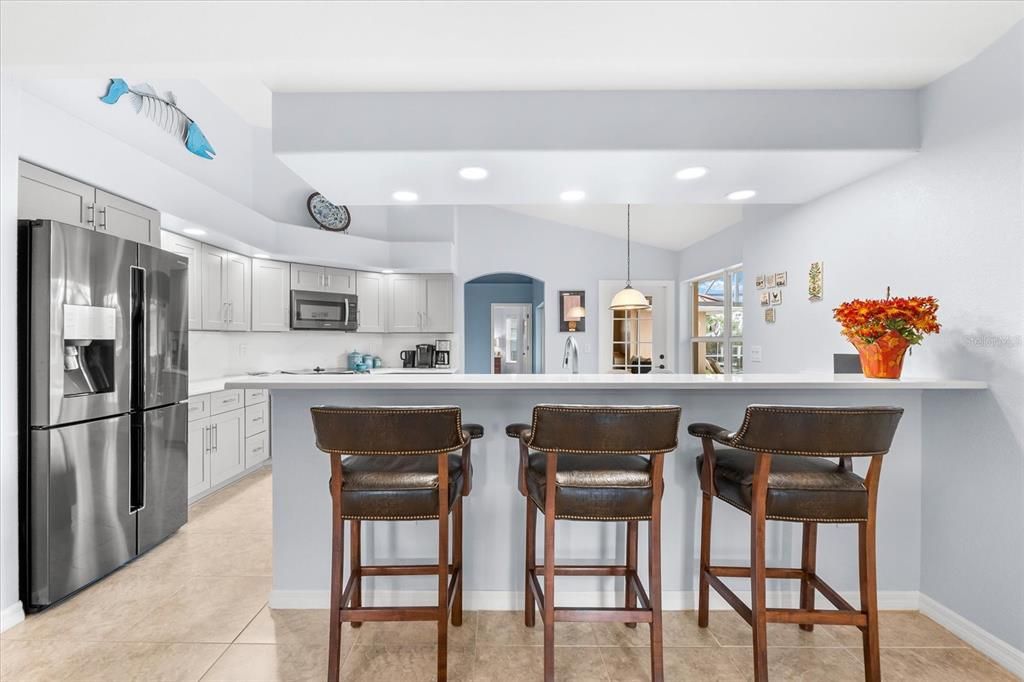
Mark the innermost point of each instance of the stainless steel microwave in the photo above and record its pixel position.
(324, 310)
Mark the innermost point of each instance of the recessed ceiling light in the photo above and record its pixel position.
(472, 173)
(260, 255)
(740, 195)
(573, 195)
(405, 195)
(193, 230)
(692, 173)
(388, 272)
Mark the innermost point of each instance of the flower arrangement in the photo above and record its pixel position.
(883, 329)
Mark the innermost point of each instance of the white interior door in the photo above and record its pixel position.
(511, 341)
(637, 342)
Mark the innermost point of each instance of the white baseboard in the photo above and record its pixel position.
(11, 616)
(999, 651)
(499, 600)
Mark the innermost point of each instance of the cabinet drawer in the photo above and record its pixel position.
(225, 401)
(257, 449)
(255, 419)
(254, 396)
(198, 406)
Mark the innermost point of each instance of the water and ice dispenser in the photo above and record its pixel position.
(89, 333)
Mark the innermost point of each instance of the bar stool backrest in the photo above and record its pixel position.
(817, 431)
(604, 429)
(388, 430)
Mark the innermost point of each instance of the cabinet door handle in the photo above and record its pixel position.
(91, 218)
(103, 219)
(328, 281)
(215, 438)
(205, 445)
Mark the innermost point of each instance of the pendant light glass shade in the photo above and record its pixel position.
(629, 298)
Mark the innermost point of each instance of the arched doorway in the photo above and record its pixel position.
(504, 325)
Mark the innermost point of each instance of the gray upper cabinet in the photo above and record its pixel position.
(318, 278)
(126, 219)
(191, 249)
(227, 289)
(340, 281)
(372, 292)
(437, 303)
(419, 303)
(46, 195)
(270, 295)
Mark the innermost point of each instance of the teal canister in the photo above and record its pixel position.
(377, 362)
(354, 358)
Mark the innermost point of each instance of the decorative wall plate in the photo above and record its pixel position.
(328, 216)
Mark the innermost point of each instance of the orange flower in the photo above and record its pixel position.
(870, 319)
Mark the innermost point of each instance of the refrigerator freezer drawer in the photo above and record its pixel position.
(78, 499)
(165, 457)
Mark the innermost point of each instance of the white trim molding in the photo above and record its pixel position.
(1003, 653)
(11, 616)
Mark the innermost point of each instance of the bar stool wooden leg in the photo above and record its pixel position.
(868, 582)
(337, 569)
(705, 560)
(758, 616)
(457, 561)
(442, 568)
(654, 566)
(807, 566)
(632, 541)
(355, 565)
(530, 607)
(549, 567)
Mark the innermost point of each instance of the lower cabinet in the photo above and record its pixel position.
(226, 436)
(226, 455)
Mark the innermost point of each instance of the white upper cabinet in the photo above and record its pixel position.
(191, 249)
(405, 307)
(126, 219)
(238, 292)
(214, 270)
(47, 195)
(318, 278)
(308, 277)
(227, 289)
(437, 305)
(419, 303)
(373, 303)
(340, 281)
(270, 295)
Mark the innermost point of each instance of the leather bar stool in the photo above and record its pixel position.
(399, 466)
(595, 463)
(775, 468)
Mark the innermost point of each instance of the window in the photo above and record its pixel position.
(717, 314)
(633, 340)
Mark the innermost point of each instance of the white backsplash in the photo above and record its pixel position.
(217, 354)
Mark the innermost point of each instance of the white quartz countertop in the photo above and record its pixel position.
(437, 381)
(201, 386)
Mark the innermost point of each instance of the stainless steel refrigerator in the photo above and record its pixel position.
(103, 327)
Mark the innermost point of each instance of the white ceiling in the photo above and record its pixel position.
(668, 227)
(441, 46)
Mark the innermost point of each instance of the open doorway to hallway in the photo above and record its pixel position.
(503, 329)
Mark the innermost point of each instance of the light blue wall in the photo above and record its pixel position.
(477, 306)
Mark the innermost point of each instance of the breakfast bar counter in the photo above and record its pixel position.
(495, 512)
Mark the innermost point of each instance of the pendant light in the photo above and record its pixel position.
(629, 298)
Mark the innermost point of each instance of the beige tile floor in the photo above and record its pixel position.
(195, 608)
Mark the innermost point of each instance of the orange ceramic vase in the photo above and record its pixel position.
(883, 359)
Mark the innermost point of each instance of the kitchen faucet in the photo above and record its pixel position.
(571, 354)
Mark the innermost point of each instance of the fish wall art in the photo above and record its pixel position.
(163, 110)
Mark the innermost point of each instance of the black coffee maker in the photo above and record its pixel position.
(424, 355)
